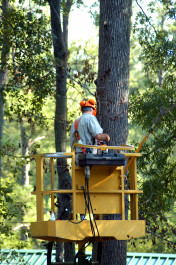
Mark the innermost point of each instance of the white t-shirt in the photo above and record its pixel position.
(88, 128)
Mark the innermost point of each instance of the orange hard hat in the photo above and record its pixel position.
(91, 103)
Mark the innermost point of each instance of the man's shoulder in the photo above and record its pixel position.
(89, 117)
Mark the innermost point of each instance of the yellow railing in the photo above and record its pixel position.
(102, 187)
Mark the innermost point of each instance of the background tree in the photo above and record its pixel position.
(156, 36)
(113, 91)
(5, 50)
(60, 45)
(24, 67)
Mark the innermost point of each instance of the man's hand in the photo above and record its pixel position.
(102, 137)
(107, 139)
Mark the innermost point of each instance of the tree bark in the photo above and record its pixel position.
(60, 44)
(25, 152)
(3, 71)
(113, 91)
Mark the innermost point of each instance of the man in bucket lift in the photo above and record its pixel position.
(86, 129)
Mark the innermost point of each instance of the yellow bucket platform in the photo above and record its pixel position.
(107, 194)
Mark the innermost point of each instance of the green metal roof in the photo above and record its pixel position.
(39, 257)
(150, 259)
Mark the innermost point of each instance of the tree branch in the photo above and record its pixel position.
(146, 16)
(7, 21)
(31, 142)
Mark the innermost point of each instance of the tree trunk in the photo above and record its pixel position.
(60, 44)
(113, 91)
(25, 152)
(3, 71)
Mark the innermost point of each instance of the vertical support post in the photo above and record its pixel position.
(81, 246)
(52, 182)
(123, 194)
(133, 186)
(39, 187)
(73, 185)
(49, 252)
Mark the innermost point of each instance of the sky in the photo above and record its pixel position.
(81, 24)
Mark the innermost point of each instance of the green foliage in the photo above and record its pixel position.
(94, 12)
(30, 81)
(157, 99)
(9, 210)
(13, 255)
(31, 67)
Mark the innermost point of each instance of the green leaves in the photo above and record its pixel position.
(30, 67)
(5, 201)
(157, 167)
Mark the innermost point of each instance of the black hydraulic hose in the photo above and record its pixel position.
(91, 207)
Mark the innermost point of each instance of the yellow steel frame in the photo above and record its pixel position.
(107, 193)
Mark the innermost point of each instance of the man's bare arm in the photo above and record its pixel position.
(102, 136)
